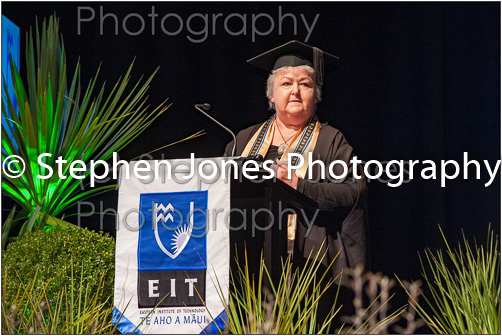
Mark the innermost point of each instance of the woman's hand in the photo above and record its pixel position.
(282, 174)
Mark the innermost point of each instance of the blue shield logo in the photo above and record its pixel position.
(173, 234)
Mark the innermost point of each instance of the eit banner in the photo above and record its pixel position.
(172, 255)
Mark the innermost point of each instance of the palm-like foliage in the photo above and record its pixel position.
(466, 295)
(60, 118)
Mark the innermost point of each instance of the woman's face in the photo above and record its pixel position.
(294, 95)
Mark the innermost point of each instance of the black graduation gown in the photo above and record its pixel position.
(343, 229)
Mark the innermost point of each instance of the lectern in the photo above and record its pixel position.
(259, 221)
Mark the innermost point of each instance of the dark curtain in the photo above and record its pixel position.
(416, 81)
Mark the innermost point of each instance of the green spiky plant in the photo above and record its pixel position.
(78, 309)
(465, 288)
(289, 307)
(60, 117)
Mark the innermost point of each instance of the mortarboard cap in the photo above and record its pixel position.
(294, 53)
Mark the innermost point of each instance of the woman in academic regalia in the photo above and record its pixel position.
(294, 91)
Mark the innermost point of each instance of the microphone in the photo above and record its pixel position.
(205, 107)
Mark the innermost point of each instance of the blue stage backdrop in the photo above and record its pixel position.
(11, 51)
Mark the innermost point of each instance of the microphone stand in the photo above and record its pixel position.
(206, 107)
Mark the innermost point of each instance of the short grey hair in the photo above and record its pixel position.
(271, 80)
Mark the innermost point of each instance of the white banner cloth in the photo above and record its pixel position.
(173, 248)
